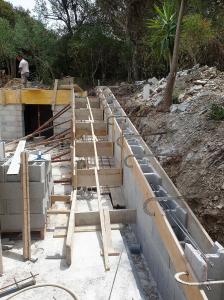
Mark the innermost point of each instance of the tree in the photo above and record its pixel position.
(168, 94)
(128, 17)
(197, 32)
(162, 30)
(72, 13)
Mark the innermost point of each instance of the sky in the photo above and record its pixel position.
(27, 4)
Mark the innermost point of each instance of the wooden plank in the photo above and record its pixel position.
(117, 197)
(110, 177)
(83, 114)
(15, 162)
(84, 128)
(1, 261)
(107, 227)
(60, 198)
(26, 207)
(2, 97)
(102, 224)
(86, 149)
(54, 97)
(91, 228)
(58, 211)
(71, 229)
(36, 96)
(62, 232)
(117, 216)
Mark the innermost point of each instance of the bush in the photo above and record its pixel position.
(217, 112)
(197, 32)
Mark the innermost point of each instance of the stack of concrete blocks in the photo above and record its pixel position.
(11, 196)
(64, 117)
(11, 121)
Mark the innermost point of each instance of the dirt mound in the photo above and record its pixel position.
(188, 142)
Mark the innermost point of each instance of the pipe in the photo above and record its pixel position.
(44, 285)
(208, 282)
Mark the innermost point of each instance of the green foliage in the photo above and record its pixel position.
(7, 49)
(7, 12)
(217, 112)
(196, 33)
(162, 30)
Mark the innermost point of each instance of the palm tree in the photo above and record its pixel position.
(163, 28)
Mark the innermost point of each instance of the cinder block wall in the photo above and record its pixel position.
(64, 117)
(11, 196)
(11, 122)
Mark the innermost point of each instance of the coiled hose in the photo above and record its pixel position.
(44, 285)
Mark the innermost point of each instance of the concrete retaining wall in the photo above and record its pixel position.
(207, 262)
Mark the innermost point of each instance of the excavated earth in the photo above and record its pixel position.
(188, 142)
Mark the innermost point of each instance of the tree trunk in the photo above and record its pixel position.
(135, 68)
(13, 67)
(168, 94)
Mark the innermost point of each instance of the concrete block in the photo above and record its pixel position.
(161, 192)
(2, 149)
(13, 190)
(15, 222)
(146, 169)
(138, 151)
(181, 215)
(37, 205)
(153, 179)
(197, 262)
(37, 172)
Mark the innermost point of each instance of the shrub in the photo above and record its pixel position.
(217, 112)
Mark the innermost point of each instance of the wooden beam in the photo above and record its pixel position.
(71, 229)
(36, 96)
(83, 114)
(26, 207)
(54, 97)
(58, 211)
(15, 162)
(110, 177)
(117, 216)
(86, 149)
(102, 225)
(1, 262)
(60, 198)
(2, 97)
(84, 128)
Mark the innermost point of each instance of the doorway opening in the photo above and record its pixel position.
(36, 115)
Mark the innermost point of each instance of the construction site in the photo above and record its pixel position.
(87, 207)
(111, 150)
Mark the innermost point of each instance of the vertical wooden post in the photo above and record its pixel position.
(26, 206)
(1, 263)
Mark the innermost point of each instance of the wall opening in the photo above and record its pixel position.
(35, 115)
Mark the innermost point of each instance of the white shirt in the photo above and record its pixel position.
(24, 66)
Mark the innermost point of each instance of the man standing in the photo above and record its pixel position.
(23, 69)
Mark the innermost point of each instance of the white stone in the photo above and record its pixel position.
(146, 92)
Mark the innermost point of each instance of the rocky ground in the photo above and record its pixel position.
(188, 141)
